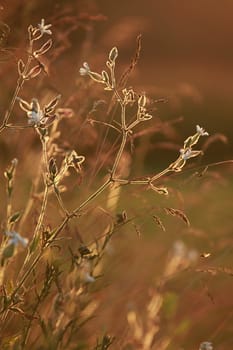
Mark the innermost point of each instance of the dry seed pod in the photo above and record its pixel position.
(177, 165)
(25, 106)
(21, 67)
(113, 54)
(142, 101)
(192, 140)
(105, 77)
(147, 116)
(52, 168)
(15, 217)
(52, 104)
(44, 48)
(96, 77)
(30, 32)
(33, 72)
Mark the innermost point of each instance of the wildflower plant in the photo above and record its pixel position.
(54, 167)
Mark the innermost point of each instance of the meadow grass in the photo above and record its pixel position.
(94, 255)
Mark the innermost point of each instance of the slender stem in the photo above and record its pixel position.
(123, 107)
(12, 103)
(18, 127)
(26, 275)
(133, 124)
(35, 186)
(42, 212)
(93, 196)
(46, 191)
(119, 153)
(27, 331)
(19, 85)
(60, 201)
(112, 71)
(8, 213)
(30, 200)
(157, 176)
(44, 202)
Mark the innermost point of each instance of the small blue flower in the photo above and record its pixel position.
(34, 112)
(15, 239)
(44, 28)
(34, 117)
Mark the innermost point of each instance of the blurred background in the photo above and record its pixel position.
(186, 59)
(186, 52)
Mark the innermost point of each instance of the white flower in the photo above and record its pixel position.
(201, 131)
(85, 70)
(206, 345)
(44, 28)
(185, 153)
(16, 239)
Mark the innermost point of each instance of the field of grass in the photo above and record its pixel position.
(116, 197)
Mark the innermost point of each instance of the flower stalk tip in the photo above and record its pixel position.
(85, 70)
(201, 131)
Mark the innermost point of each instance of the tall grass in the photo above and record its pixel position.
(57, 239)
